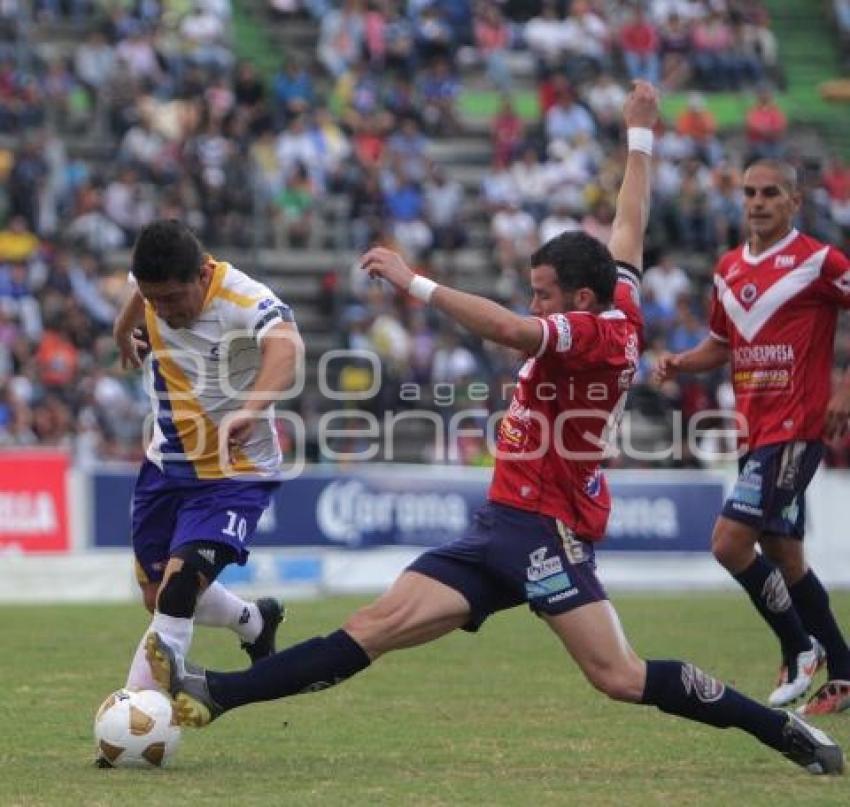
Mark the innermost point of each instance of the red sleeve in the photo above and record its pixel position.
(835, 278)
(627, 295)
(570, 337)
(718, 322)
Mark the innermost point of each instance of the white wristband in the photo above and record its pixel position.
(640, 139)
(422, 288)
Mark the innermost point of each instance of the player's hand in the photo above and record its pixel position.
(132, 346)
(838, 413)
(236, 431)
(666, 367)
(641, 107)
(381, 262)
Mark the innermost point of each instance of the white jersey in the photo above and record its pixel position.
(199, 374)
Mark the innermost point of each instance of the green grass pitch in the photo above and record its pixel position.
(501, 718)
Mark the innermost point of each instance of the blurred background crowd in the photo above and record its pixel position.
(116, 112)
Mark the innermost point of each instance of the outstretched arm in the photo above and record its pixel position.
(709, 354)
(483, 317)
(640, 115)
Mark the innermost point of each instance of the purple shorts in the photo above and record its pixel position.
(169, 512)
(509, 557)
(769, 494)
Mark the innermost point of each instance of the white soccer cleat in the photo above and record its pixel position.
(790, 689)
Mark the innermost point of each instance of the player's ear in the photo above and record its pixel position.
(584, 299)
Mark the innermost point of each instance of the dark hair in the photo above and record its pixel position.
(580, 261)
(786, 171)
(167, 250)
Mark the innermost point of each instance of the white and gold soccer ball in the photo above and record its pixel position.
(135, 729)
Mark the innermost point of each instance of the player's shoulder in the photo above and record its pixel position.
(814, 256)
(729, 261)
(241, 290)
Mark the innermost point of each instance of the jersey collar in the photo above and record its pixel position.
(216, 281)
(777, 247)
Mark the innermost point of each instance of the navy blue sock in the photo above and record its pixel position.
(316, 664)
(812, 604)
(682, 689)
(766, 587)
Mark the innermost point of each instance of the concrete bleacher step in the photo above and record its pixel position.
(470, 150)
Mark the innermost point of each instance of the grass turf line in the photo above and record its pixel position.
(502, 718)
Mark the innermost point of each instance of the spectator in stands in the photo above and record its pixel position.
(90, 228)
(836, 181)
(204, 39)
(409, 147)
(766, 127)
(586, 41)
(531, 181)
(439, 89)
(292, 91)
(492, 41)
(568, 119)
(514, 232)
(692, 206)
(605, 97)
(432, 33)
(342, 37)
(688, 330)
(641, 47)
(675, 52)
(397, 40)
(444, 213)
(558, 221)
(544, 35)
(294, 208)
(712, 42)
(697, 123)
(405, 205)
(667, 282)
(17, 242)
(508, 132)
(726, 207)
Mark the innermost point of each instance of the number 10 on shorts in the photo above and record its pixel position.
(236, 527)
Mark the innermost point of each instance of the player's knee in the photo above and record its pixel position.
(793, 570)
(179, 592)
(149, 592)
(726, 550)
(621, 682)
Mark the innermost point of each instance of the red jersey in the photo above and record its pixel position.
(567, 404)
(777, 311)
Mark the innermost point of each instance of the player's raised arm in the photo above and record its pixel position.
(640, 114)
(483, 317)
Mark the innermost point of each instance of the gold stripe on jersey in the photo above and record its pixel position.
(215, 287)
(198, 433)
(242, 300)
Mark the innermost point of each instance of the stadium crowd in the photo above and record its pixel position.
(168, 122)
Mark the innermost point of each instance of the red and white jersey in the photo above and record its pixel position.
(777, 311)
(566, 407)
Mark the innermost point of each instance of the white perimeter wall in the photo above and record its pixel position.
(107, 575)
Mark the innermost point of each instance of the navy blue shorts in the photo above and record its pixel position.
(168, 512)
(769, 492)
(509, 557)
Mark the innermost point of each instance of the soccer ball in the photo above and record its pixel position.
(135, 729)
